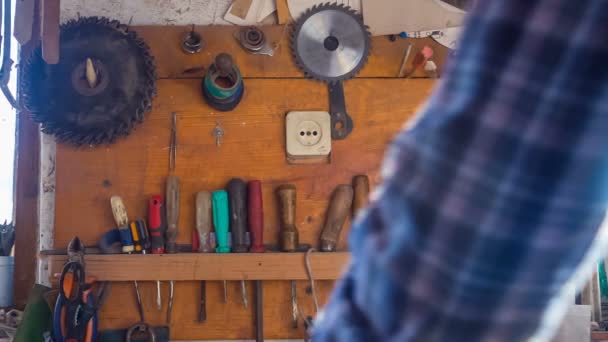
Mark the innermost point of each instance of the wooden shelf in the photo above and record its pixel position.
(180, 267)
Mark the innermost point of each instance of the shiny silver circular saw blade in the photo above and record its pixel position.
(330, 42)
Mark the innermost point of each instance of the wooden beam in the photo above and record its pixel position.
(184, 267)
(27, 167)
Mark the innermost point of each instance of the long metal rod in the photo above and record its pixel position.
(244, 293)
(259, 311)
(294, 304)
(170, 306)
(173, 147)
(159, 303)
(140, 307)
(225, 292)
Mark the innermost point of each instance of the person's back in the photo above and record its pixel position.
(492, 200)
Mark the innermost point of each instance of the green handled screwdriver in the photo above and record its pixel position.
(220, 222)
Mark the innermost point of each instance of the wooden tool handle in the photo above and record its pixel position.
(339, 209)
(237, 202)
(172, 205)
(204, 217)
(289, 237)
(122, 222)
(255, 215)
(119, 211)
(361, 197)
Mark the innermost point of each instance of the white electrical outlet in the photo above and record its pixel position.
(308, 135)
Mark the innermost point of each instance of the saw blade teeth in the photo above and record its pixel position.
(50, 121)
(310, 12)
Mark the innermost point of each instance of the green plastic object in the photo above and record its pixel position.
(220, 220)
(603, 281)
(37, 317)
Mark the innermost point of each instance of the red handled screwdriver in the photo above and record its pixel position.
(156, 228)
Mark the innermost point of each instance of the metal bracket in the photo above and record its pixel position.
(253, 40)
(341, 122)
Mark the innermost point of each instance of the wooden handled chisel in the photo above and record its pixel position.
(289, 237)
(339, 209)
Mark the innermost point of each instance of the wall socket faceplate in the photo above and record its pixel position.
(308, 135)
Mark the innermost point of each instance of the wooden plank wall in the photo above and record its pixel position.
(252, 148)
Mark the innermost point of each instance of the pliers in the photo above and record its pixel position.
(75, 314)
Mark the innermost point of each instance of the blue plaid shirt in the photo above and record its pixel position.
(492, 199)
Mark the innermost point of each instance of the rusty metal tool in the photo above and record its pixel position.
(172, 205)
(289, 237)
(119, 212)
(338, 211)
(204, 217)
(361, 193)
(237, 203)
(255, 215)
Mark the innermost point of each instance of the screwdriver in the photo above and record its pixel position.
(172, 207)
(255, 215)
(289, 236)
(157, 233)
(122, 221)
(237, 198)
(220, 222)
(204, 217)
(339, 209)
(144, 238)
(135, 234)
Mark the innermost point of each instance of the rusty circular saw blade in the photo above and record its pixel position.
(330, 42)
(82, 118)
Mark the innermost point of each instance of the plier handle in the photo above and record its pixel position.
(75, 315)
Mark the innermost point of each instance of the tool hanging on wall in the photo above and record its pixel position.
(204, 217)
(237, 199)
(330, 43)
(253, 40)
(221, 223)
(100, 89)
(173, 142)
(119, 212)
(339, 209)
(255, 214)
(172, 206)
(157, 227)
(193, 42)
(75, 314)
(289, 237)
(223, 85)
